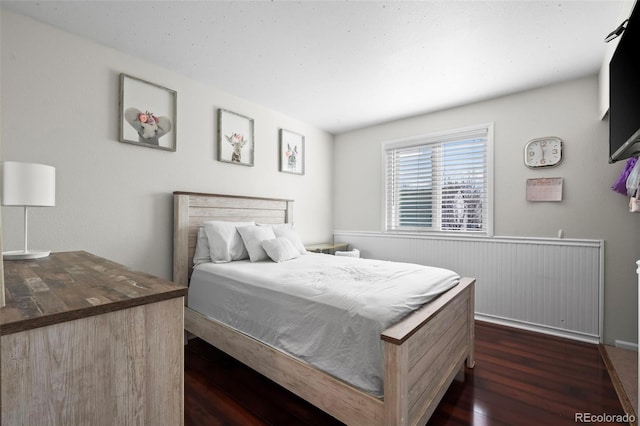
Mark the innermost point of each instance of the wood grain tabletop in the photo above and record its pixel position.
(72, 285)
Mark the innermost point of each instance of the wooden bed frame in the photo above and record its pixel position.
(423, 353)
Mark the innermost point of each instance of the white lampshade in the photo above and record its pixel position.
(28, 184)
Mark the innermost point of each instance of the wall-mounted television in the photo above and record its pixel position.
(624, 93)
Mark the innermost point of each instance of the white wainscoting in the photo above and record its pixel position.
(553, 286)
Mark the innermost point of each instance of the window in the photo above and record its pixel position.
(440, 182)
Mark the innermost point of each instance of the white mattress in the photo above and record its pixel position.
(328, 311)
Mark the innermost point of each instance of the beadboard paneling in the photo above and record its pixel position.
(548, 285)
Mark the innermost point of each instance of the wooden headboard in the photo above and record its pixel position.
(191, 209)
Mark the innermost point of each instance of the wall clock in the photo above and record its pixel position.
(543, 152)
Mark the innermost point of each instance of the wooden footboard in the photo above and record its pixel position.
(331, 395)
(423, 352)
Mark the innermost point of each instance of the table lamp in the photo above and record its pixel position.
(27, 185)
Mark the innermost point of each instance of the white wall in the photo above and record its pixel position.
(60, 98)
(589, 209)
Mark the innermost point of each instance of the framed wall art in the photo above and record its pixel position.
(147, 114)
(544, 189)
(291, 152)
(235, 138)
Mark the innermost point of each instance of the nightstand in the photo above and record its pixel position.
(328, 248)
(88, 341)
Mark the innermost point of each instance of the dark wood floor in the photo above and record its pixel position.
(520, 378)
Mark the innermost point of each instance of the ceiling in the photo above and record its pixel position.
(344, 65)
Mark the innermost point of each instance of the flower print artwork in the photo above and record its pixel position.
(147, 114)
(291, 152)
(237, 141)
(235, 138)
(292, 157)
(149, 127)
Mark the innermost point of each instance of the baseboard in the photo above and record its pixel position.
(626, 345)
(538, 328)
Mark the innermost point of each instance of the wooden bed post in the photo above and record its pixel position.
(471, 362)
(396, 398)
(289, 217)
(181, 239)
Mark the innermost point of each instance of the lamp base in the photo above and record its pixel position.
(23, 255)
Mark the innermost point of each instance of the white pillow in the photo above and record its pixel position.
(254, 235)
(280, 249)
(288, 231)
(202, 254)
(225, 244)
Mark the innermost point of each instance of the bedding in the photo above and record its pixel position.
(288, 231)
(280, 249)
(225, 243)
(328, 311)
(252, 236)
(202, 253)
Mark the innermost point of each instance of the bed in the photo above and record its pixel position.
(423, 352)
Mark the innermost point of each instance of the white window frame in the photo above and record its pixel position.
(432, 138)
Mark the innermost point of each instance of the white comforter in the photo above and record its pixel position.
(326, 310)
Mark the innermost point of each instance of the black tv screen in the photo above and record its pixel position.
(624, 93)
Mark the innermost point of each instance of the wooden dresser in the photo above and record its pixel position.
(86, 341)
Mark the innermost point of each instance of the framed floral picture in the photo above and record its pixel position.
(291, 152)
(147, 114)
(235, 138)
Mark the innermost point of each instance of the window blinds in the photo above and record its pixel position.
(439, 183)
